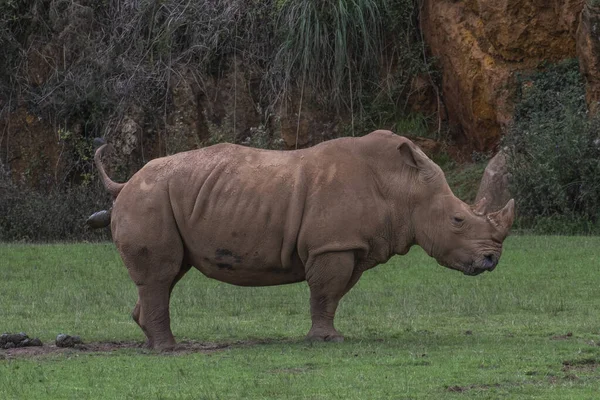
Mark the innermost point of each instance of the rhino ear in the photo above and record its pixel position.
(413, 156)
(503, 219)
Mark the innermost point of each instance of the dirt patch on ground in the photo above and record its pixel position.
(184, 347)
(460, 389)
(562, 337)
(585, 364)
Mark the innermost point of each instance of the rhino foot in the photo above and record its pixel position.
(324, 337)
(161, 347)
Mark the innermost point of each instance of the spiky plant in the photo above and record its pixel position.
(334, 45)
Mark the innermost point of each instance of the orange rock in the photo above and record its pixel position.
(588, 53)
(481, 44)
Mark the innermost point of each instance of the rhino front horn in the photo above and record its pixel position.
(503, 219)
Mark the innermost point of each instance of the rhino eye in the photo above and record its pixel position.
(458, 220)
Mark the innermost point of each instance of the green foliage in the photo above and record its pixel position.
(55, 215)
(132, 53)
(329, 44)
(414, 330)
(10, 26)
(554, 150)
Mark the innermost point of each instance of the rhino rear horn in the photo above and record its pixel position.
(504, 218)
(480, 207)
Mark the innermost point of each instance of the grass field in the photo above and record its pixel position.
(414, 330)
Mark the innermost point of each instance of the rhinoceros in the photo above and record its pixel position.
(324, 215)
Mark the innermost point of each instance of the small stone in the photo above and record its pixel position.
(63, 340)
(9, 345)
(36, 342)
(16, 338)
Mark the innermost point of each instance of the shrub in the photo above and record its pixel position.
(554, 153)
(103, 59)
(56, 215)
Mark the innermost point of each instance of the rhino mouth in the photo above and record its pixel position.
(468, 269)
(488, 263)
(473, 271)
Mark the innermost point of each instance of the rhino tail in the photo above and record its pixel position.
(111, 186)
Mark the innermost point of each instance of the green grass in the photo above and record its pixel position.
(413, 330)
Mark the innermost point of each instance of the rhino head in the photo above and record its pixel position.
(459, 236)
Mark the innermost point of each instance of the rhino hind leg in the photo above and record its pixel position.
(137, 310)
(329, 277)
(155, 265)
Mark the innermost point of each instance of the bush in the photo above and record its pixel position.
(58, 215)
(104, 59)
(554, 153)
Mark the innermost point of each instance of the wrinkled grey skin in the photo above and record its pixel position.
(323, 215)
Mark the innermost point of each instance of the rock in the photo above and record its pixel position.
(14, 338)
(481, 44)
(30, 342)
(63, 340)
(34, 149)
(588, 53)
(99, 219)
(127, 139)
(11, 340)
(186, 125)
(494, 183)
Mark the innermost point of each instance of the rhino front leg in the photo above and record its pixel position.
(329, 277)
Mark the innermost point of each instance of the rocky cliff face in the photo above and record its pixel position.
(588, 52)
(480, 45)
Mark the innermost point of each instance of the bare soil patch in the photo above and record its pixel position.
(585, 364)
(460, 389)
(562, 337)
(184, 347)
